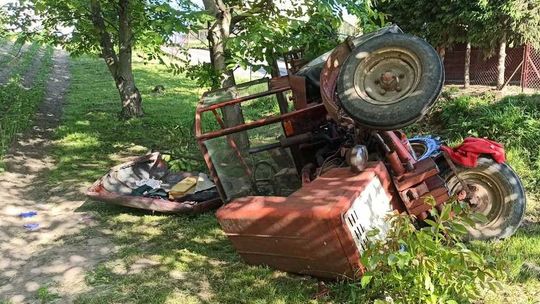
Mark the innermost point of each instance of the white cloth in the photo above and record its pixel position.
(154, 183)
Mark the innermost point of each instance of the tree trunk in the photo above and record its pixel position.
(282, 100)
(120, 66)
(218, 34)
(502, 62)
(129, 94)
(466, 76)
(125, 82)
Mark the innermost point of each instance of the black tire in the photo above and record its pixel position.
(501, 196)
(415, 68)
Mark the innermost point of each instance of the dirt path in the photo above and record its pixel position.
(30, 260)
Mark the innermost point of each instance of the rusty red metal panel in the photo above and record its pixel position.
(304, 233)
(329, 76)
(298, 88)
(422, 171)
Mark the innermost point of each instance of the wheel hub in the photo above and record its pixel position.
(485, 196)
(387, 75)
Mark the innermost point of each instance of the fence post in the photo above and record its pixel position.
(525, 68)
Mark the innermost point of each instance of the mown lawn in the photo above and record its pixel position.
(187, 258)
(191, 260)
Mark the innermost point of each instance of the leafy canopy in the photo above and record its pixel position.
(482, 22)
(69, 22)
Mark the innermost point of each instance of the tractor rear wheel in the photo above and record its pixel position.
(390, 81)
(497, 194)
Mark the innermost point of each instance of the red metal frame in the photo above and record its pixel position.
(276, 85)
(413, 180)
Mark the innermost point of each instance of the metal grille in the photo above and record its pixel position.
(369, 211)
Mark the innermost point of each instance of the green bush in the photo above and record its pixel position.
(426, 265)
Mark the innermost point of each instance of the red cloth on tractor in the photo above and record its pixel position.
(468, 152)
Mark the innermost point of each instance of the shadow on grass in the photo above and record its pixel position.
(160, 259)
(91, 138)
(181, 259)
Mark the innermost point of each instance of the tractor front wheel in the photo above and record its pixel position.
(497, 193)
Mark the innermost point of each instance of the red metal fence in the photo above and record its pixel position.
(522, 67)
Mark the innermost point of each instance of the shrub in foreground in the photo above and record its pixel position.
(427, 265)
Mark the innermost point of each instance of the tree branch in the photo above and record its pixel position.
(107, 48)
(257, 8)
(105, 20)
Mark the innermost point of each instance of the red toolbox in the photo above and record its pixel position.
(319, 230)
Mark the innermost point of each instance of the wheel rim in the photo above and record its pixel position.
(487, 196)
(387, 75)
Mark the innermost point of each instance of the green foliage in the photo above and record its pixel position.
(441, 22)
(426, 265)
(152, 23)
(518, 19)
(514, 121)
(204, 74)
(46, 296)
(263, 31)
(482, 22)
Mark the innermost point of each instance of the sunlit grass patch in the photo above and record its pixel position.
(192, 261)
(79, 140)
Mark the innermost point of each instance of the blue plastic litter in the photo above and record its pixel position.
(31, 226)
(432, 145)
(28, 214)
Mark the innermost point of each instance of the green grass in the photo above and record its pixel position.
(514, 121)
(45, 295)
(92, 138)
(188, 259)
(18, 104)
(195, 261)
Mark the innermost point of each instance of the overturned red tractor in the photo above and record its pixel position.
(317, 161)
